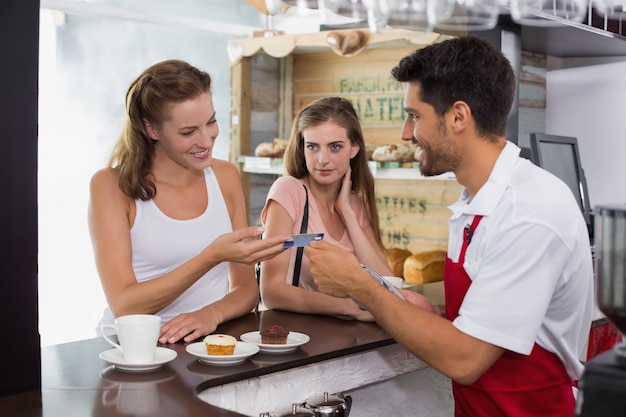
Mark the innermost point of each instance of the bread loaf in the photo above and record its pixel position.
(424, 267)
(347, 43)
(393, 153)
(274, 149)
(395, 258)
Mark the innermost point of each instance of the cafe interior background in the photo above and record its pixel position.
(91, 50)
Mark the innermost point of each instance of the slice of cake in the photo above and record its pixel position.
(220, 344)
(274, 335)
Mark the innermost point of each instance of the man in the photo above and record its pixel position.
(519, 275)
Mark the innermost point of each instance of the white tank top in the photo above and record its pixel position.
(160, 244)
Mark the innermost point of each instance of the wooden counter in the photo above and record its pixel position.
(76, 382)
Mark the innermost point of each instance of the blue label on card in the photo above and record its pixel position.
(303, 239)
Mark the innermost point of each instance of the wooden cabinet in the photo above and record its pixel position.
(272, 78)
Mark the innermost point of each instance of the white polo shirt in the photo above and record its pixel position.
(529, 261)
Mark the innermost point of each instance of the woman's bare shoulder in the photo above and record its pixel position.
(106, 196)
(225, 171)
(105, 183)
(105, 177)
(223, 167)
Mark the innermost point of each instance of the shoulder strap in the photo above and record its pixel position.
(303, 228)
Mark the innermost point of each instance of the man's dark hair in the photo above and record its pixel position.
(469, 69)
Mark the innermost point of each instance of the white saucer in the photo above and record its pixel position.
(294, 339)
(161, 356)
(243, 351)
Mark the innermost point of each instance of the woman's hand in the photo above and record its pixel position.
(190, 326)
(357, 313)
(419, 300)
(343, 201)
(240, 246)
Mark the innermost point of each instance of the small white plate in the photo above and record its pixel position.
(242, 352)
(161, 357)
(294, 339)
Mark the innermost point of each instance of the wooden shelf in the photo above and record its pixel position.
(261, 165)
(403, 171)
(380, 170)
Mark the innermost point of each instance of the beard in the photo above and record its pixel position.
(439, 155)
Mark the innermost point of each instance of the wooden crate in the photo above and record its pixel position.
(414, 213)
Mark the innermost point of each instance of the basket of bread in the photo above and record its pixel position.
(417, 268)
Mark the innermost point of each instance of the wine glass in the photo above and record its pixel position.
(418, 14)
(548, 12)
(469, 15)
(273, 8)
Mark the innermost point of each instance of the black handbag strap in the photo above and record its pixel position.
(303, 228)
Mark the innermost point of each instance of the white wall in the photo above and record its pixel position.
(589, 102)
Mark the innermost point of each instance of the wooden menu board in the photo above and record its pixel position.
(364, 79)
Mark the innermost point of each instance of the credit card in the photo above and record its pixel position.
(303, 239)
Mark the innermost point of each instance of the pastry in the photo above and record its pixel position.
(354, 42)
(273, 149)
(393, 153)
(395, 258)
(220, 344)
(274, 335)
(347, 43)
(424, 267)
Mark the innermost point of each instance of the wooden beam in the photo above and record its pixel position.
(240, 114)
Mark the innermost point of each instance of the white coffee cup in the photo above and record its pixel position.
(138, 335)
(395, 281)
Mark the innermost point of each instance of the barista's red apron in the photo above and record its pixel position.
(516, 385)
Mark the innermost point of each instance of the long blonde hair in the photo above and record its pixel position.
(341, 112)
(149, 98)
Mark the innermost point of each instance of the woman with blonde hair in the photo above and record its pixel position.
(168, 222)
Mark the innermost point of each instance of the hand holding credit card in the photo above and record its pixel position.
(300, 240)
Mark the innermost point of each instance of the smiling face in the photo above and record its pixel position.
(327, 151)
(426, 129)
(188, 135)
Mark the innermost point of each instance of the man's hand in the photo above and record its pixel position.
(335, 270)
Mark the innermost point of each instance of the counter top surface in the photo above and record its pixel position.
(75, 381)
